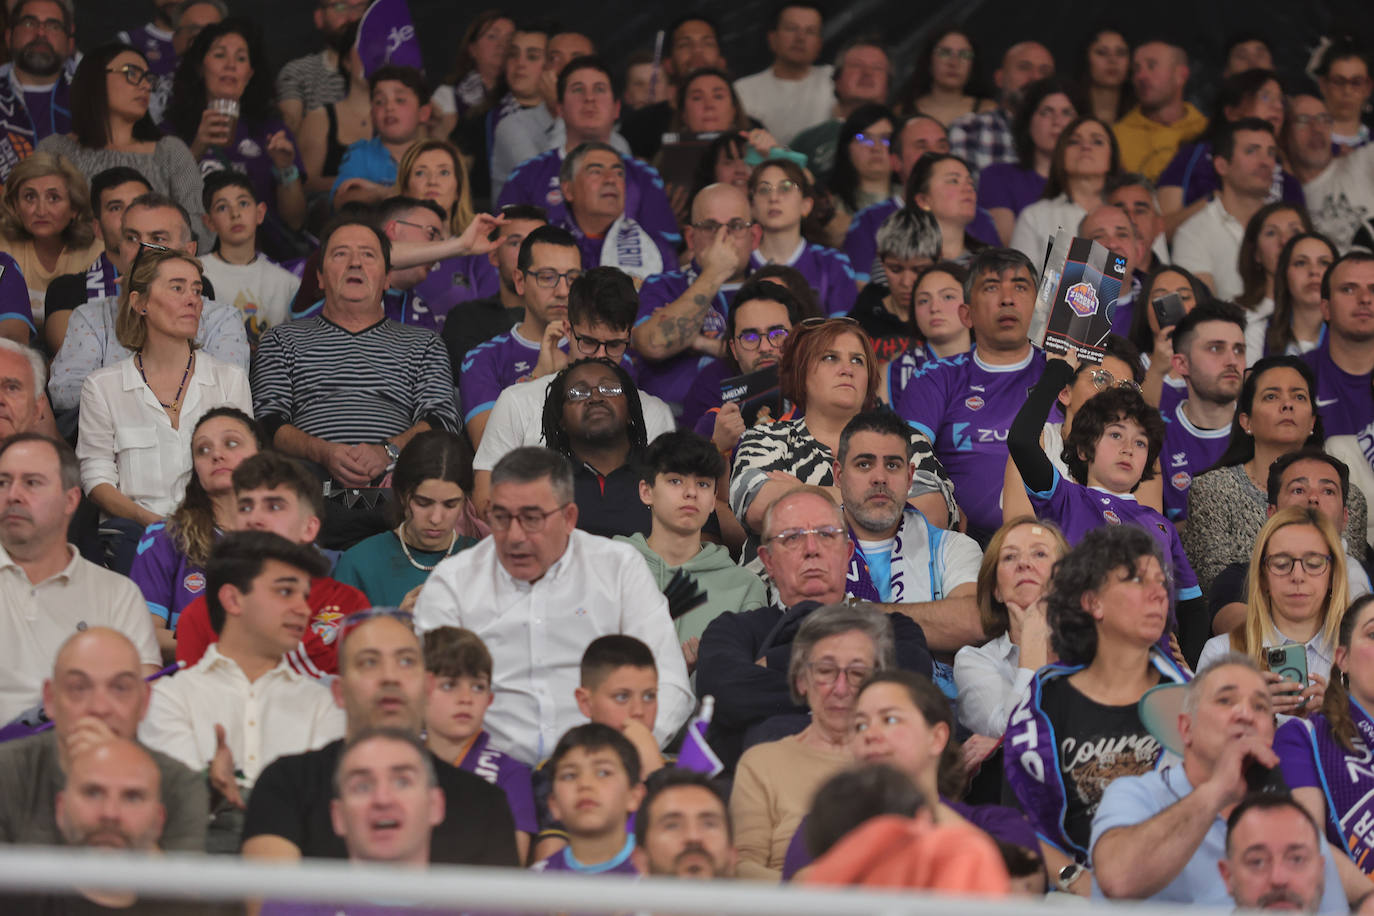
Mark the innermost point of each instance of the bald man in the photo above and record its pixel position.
(1111, 228)
(96, 694)
(982, 138)
(113, 798)
(1151, 132)
(682, 313)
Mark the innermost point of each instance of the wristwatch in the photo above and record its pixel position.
(1068, 875)
(392, 453)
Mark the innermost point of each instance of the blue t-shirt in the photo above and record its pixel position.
(965, 407)
(367, 159)
(1343, 400)
(1187, 452)
(878, 556)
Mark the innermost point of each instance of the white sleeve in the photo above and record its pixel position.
(658, 417)
(1028, 236)
(502, 433)
(437, 606)
(986, 696)
(960, 559)
(1347, 448)
(168, 726)
(644, 615)
(129, 615)
(1190, 246)
(95, 442)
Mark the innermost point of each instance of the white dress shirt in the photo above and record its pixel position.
(538, 631)
(990, 683)
(36, 619)
(1208, 242)
(519, 410)
(1318, 651)
(280, 713)
(126, 438)
(1037, 225)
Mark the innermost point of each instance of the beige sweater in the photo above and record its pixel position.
(774, 785)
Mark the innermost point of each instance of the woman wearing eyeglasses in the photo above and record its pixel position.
(46, 223)
(944, 83)
(862, 174)
(1078, 727)
(111, 126)
(222, 107)
(1297, 593)
(781, 197)
(1342, 72)
(829, 372)
(138, 415)
(432, 480)
(835, 650)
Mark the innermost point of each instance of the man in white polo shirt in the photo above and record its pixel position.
(47, 591)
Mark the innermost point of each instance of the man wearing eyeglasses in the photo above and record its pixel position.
(682, 313)
(743, 658)
(601, 307)
(1209, 355)
(35, 86)
(537, 592)
(548, 264)
(409, 219)
(1339, 189)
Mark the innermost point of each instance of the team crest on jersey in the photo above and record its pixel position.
(325, 624)
(1181, 480)
(249, 149)
(554, 197)
(1111, 517)
(1082, 298)
(974, 403)
(194, 582)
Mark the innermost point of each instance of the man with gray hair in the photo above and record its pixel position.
(150, 220)
(593, 180)
(908, 241)
(1159, 836)
(743, 658)
(537, 591)
(863, 76)
(23, 391)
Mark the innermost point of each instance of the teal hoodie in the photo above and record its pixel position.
(728, 587)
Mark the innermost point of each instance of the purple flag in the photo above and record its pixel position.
(386, 35)
(696, 754)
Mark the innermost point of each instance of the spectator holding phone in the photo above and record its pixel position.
(1332, 747)
(1297, 595)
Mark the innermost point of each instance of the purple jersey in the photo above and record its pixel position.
(162, 573)
(671, 379)
(1077, 509)
(1006, 184)
(563, 860)
(14, 294)
(27, 117)
(1343, 400)
(826, 270)
(861, 240)
(493, 366)
(156, 47)
(535, 181)
(1187, 452)
(507, 774)
(898, 373)
(455, 281)
(965, 407)
(1171, 394)
(248, 155)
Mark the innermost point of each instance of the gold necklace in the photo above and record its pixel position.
(405, 549)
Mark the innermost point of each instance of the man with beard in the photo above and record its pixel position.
(1209, 354)
(683, 829)
(35, 86)
(316, 79)
(1273, 855)
(1344, 360)
(900, 559)
(154, 39)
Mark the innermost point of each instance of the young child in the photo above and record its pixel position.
(458, 701)
(678, 474)
(596, 787)
(400, 109)
(261, 290)
(619, 689)
(1112, 447)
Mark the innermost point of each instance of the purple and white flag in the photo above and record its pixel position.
(696, 754)
(386, 35)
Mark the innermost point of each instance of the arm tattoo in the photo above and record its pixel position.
(678, 332)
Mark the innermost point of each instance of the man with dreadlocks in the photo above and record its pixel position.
(593, 417)
(537, 592)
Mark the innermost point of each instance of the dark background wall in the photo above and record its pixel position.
(620, 27)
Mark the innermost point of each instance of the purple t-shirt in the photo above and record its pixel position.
(162, 573)
(535, 181)
(1187, 452)
(671, 379)
(1192, 170)
(563, 860)
(861, 240)
(248, 154)
(14, 293)
(1006, 184)
(455, 281)
(1343, 400)
(965, 407)
(1078, 509)
(491, 367)
(156, 47)
(507, 774)
(826, 270)
(899, 373)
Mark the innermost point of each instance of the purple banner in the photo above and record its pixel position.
(386, 35)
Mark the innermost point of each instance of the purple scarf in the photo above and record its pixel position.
(859, 581)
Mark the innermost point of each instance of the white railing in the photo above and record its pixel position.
(488, 889)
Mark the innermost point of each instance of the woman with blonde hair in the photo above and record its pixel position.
(47, 224)
(138, 415)
(1296, 594)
